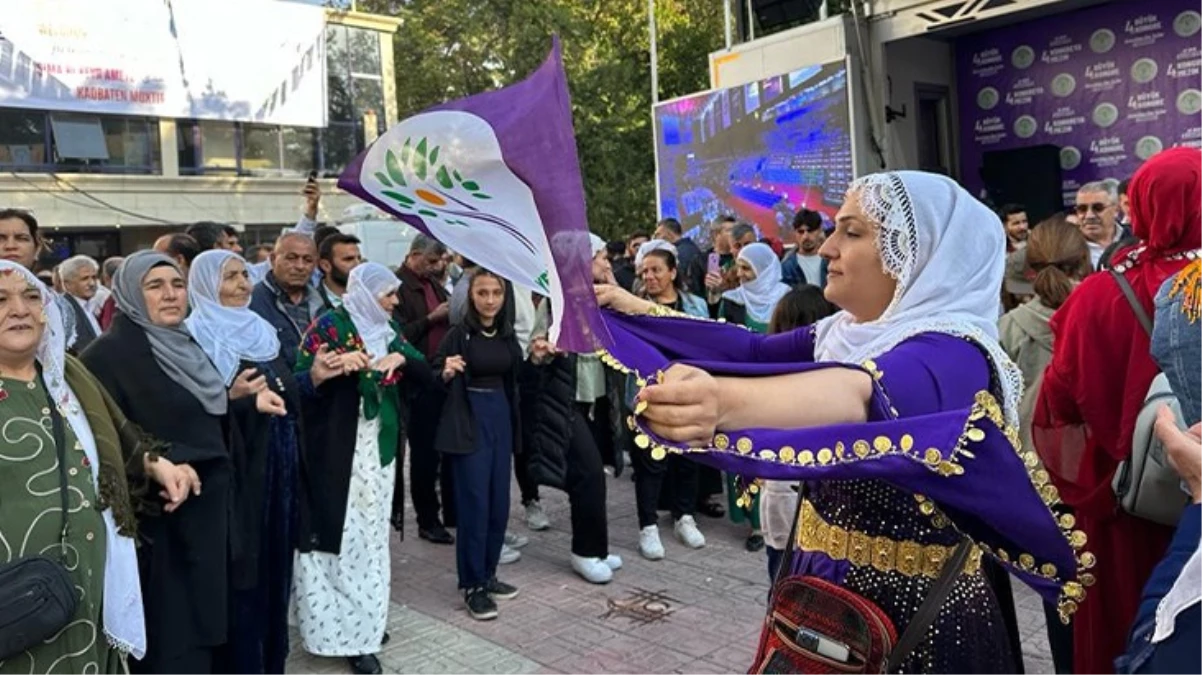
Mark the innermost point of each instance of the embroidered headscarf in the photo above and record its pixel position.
(123, 620)
(228, 335)
(368, 283)
(176, 353)
(761, 294)
(935, 240)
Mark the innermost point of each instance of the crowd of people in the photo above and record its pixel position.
(233, 426)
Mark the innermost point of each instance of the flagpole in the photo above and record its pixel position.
(654, 58)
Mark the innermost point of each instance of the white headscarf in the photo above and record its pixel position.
(123, 619)
(368, 283)
(595, 244)
(228, 335)
(941, 246)
(653, 245)
(761, 294)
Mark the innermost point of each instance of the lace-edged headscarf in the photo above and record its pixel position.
(948, 256)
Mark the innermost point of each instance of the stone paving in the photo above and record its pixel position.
(715, 600)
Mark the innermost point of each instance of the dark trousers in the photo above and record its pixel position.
(1060, 639)
(482, 489)
(673, 473)
(425, 461)
(528, 382)
(585, 483)
(599, 423)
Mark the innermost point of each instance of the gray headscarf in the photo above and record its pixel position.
(174, 350)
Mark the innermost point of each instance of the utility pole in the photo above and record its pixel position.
(654, 58)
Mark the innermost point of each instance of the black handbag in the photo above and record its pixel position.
(37, 594)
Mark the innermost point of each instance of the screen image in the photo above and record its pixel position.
(783, 144)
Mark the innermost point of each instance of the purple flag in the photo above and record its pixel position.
(496, 178)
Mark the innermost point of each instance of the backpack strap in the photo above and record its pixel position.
(916, 630)
(1136, 306)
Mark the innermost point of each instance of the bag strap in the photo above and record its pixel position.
(1141, 314)
(60, 447)
(790, 552)
(929, 609)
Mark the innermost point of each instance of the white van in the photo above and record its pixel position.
(383, 238)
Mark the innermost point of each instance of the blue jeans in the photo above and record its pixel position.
(481, 486)
(1177, 348)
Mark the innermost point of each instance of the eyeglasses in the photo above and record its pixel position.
(1096, 207)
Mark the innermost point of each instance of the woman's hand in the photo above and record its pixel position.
(247, 384)
(618, 299)
(326, 366)
(353, 362)
(714, 282)
(453, 366)
(684, 407)
(542, 350)
(269, 403)
(177, 480)
(1184, 450)
(389, 364)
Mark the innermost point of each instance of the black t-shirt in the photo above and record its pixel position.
(488, 361)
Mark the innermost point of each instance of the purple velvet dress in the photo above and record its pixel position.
(888, 500)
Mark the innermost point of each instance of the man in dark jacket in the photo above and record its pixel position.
(690, 262)
(285, 299)
(423, 313)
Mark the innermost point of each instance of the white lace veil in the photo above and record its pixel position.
(947, 254)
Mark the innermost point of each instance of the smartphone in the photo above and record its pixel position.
(715, 264)
(821, 644)
(313, 176)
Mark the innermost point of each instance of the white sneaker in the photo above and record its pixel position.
(515, 540)
(614, 562)
(509, 555)
(536, 518)
(649, 544)
(688, 534)
(593, 570)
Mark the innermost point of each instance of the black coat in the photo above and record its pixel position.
(330, 420)
(411, 310)
(249, 452)
(457, 427)
(185, 556)
(554, 416)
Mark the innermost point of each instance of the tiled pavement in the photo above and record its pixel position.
(558, 623)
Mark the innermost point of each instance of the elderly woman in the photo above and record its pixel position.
(760, 289)
(898, 414)
(357, 360)
(1095, 386)
(64, 442)
(678, 481)
(163, 381)
(266, 458)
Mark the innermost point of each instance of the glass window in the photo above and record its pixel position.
(187, 145)
(78, 137)
(341, 105)
(132, 143)
(341, 143)
(369, 96)
(300, 146)
(260, 149)
(22, 138)
(219, 145)
(364, 47)
(337, 62)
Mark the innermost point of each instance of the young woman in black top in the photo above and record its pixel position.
(479, 361)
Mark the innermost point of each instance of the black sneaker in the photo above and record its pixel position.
(366, 664)
(436, 535)
(479, 604)
(499, 590)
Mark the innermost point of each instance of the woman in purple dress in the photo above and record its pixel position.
(899, 413)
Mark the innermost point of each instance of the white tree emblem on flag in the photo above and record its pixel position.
(446, 168)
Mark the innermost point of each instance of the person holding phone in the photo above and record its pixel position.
(477, 431)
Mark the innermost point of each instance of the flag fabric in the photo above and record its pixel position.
(496, 178)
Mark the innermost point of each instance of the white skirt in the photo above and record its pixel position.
(341, 601)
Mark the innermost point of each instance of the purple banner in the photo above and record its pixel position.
(1109, 85)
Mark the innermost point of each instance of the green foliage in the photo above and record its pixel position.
(448, 49)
